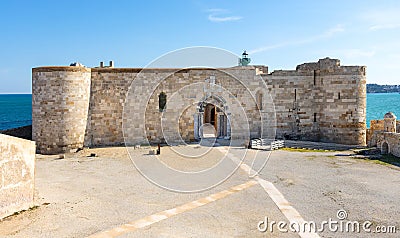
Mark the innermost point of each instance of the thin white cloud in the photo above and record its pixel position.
(217, 10)
(327, 34)
(332, 31)
(223, 19)
(382, 19)
(358, 53)
(384, 26)
(268, 47)
(217, 15)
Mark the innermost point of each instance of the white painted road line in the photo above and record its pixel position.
(149, 220)
(284, 206)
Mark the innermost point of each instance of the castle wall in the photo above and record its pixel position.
(375, 125)
(60, 103)
(109, 88)
(343, 106)
(108, 91)
(320, 101)
(392, 139)
(292, 94)
(17, 171)
(382, 135)
(226, 80)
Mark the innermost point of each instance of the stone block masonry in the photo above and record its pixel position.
(76, 106)
(389, 140)
(60, 102)
(385, 135)
(320, 101)
(17, 169)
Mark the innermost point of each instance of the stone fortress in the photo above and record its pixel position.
(76, 106)
(384, 134)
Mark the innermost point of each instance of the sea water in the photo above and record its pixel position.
(380, 103)
(16, 109)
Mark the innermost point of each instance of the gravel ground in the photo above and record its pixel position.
(80, 195)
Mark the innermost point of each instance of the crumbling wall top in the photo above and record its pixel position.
(322, 64)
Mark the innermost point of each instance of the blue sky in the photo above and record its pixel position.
(280, 34)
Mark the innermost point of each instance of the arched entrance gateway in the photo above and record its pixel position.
(211, 119)
(385, 148)
(210, 115)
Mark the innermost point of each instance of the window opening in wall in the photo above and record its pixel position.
(315, 78)
(315, 117)
(162, 101)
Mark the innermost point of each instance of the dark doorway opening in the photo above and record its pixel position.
(385, 148)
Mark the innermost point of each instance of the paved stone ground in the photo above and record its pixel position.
(79, 196)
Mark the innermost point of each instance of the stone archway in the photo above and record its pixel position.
(211, 116)
(385, 148)
(210, 121)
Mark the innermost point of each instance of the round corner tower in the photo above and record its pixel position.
(389, 122)
(361, 102)
(60, 104)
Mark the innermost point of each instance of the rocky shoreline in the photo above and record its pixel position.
(24, 132)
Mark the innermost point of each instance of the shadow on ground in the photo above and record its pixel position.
(374, 155)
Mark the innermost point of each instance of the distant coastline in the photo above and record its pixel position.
(376, 88)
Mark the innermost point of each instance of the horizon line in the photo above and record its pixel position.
(8, 93)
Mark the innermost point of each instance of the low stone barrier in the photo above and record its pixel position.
(17, 170)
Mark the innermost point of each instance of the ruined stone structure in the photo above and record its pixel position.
(77, 106)
(385, 135)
